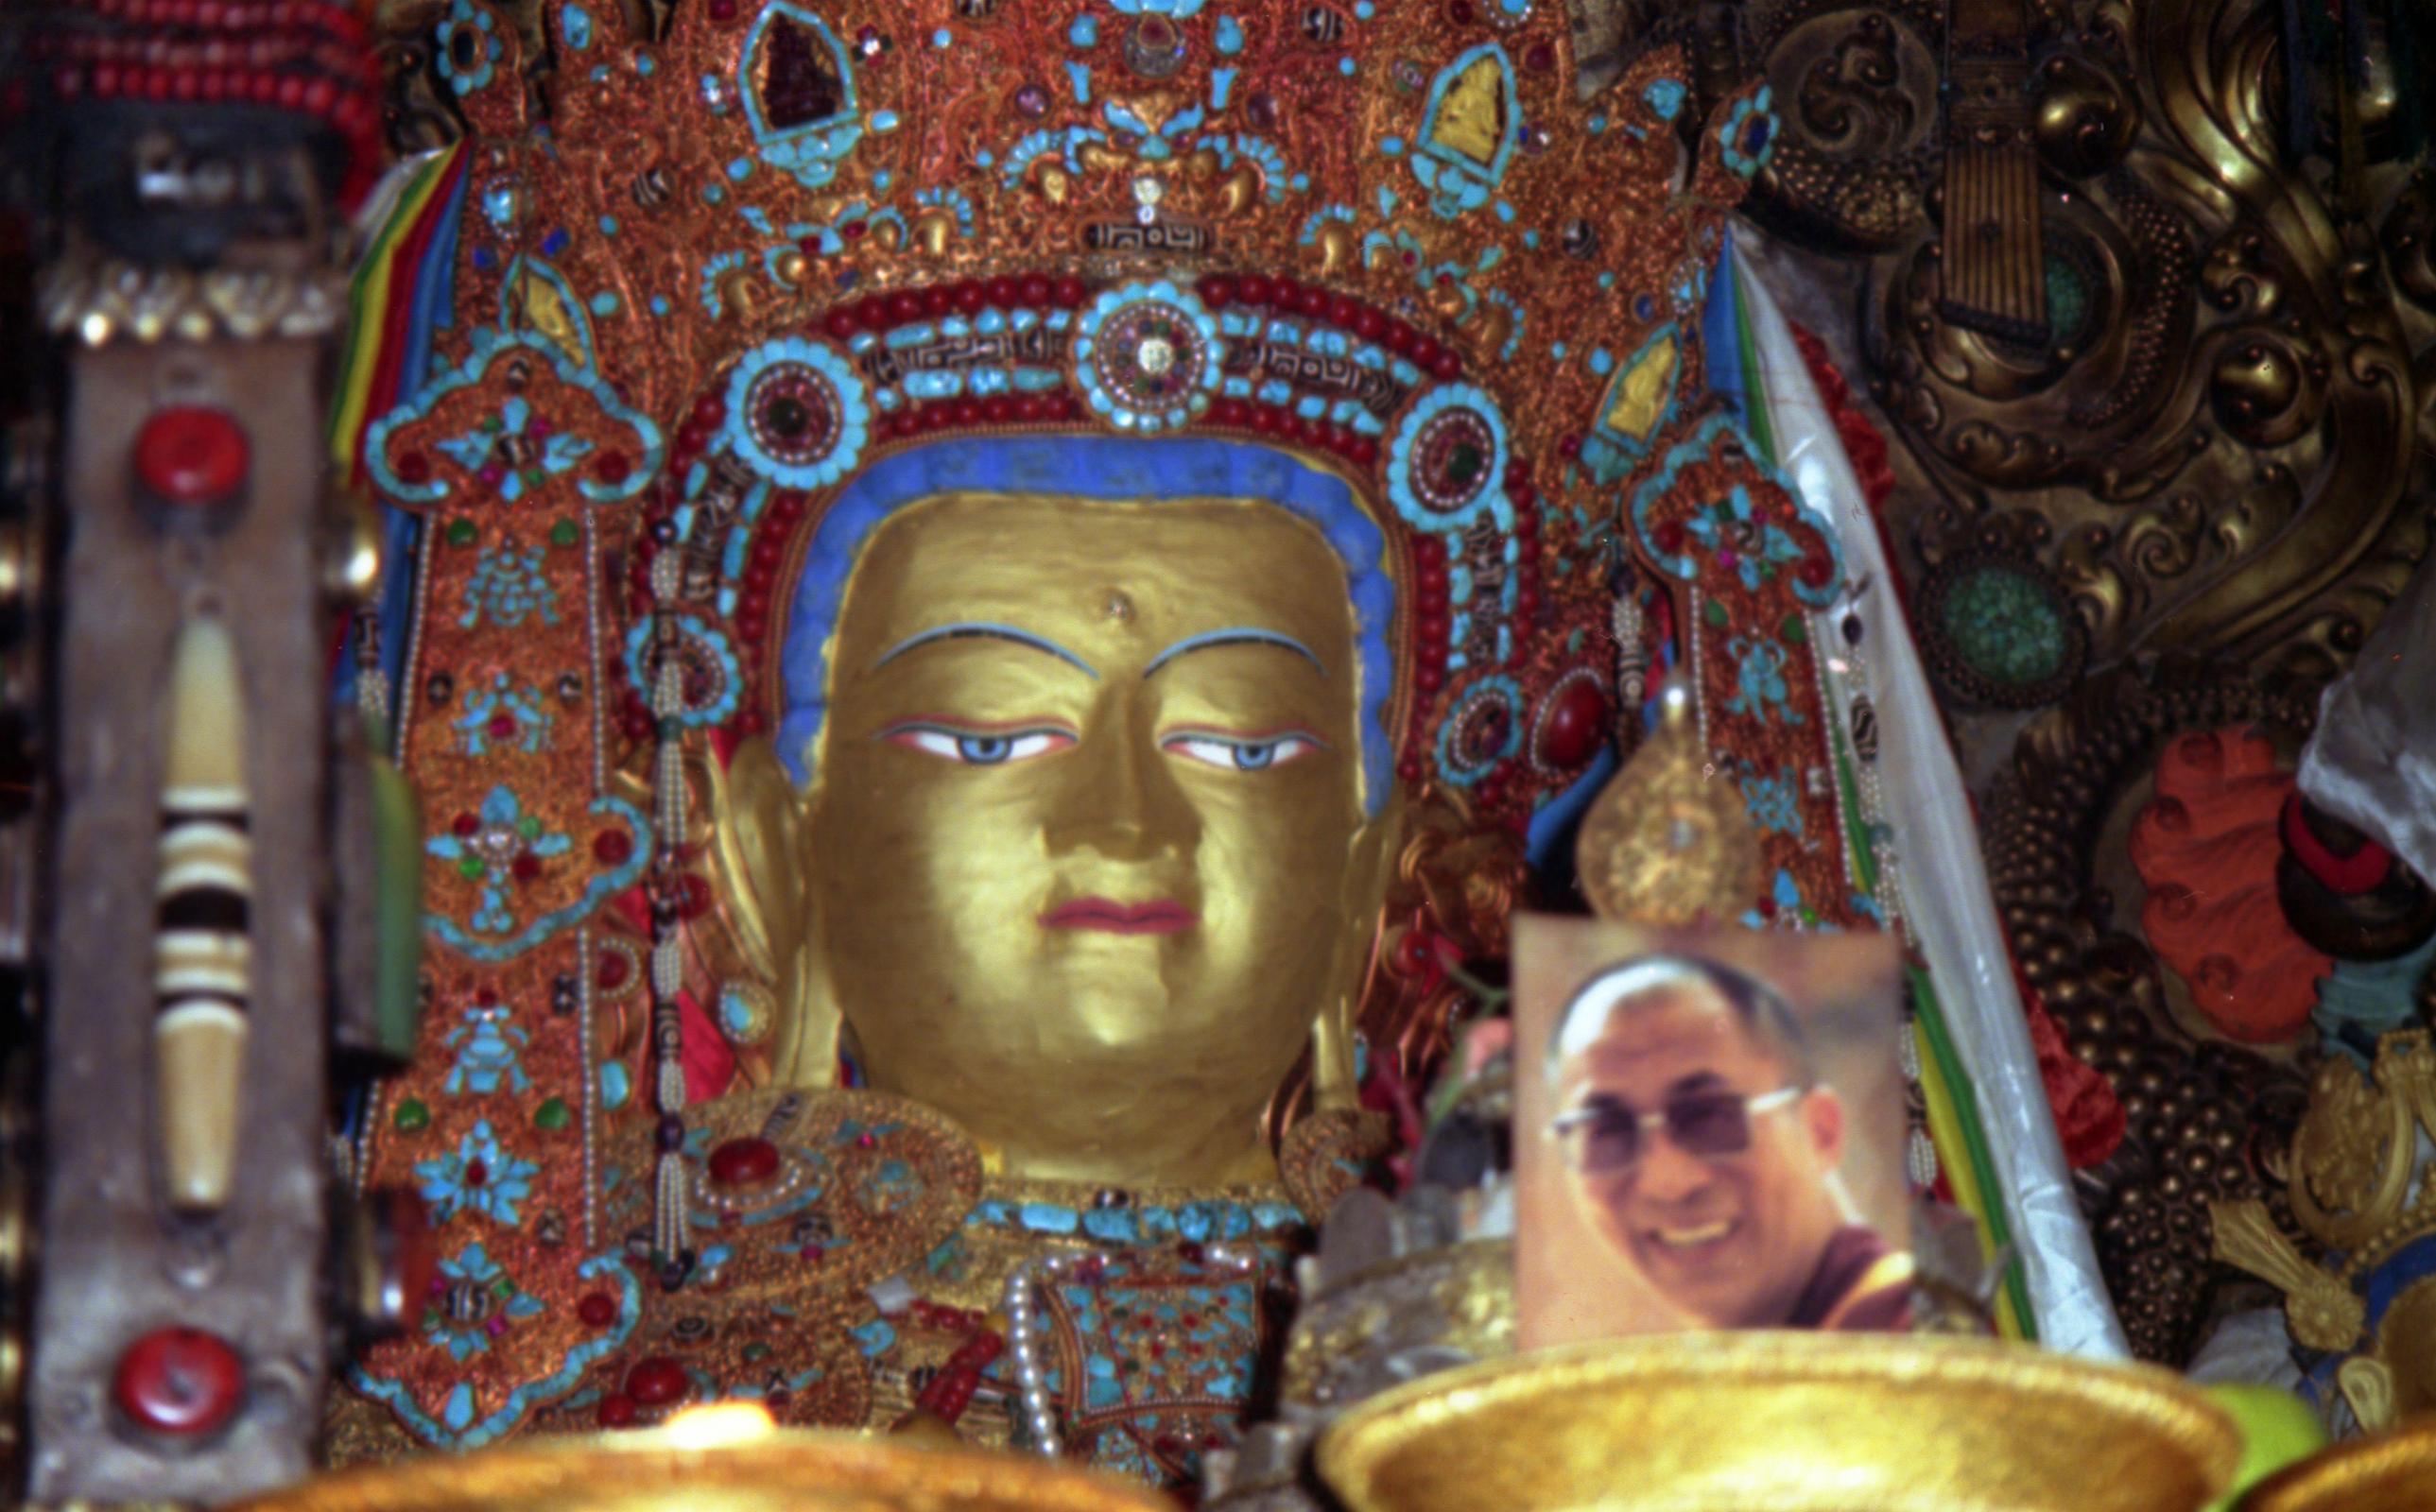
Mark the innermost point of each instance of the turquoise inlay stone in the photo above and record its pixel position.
(1045, 1218)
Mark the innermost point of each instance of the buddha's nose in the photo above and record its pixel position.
(1120, 799)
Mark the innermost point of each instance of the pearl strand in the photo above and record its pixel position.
(1024, 1334)
(586, 958)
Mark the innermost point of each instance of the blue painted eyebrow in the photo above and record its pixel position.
(977, 630)
(1240, 635)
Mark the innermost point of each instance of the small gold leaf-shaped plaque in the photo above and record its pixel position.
(1669, 842)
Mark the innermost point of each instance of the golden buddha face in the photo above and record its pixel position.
(1087, 844)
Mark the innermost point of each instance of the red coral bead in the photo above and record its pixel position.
(597, 1310)
(612, 848)
(1575, 727)
(193, 455)
(615, 1411)
(657, 1382)
(179, 1381)
(746, 1162)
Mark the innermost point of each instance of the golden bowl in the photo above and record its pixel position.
(1786, 1422)
(2392, 1473)
(672, 1470)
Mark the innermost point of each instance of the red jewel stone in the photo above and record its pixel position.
(1217, 291)
(193, 455)
(527, 867)
(1669, 536)
(1816, 571)
(743, 1163)
(1575, 727)
(709, 411)
(657, 1382)
(613, 468)
(180, 1382)
(465, 825)
(612, 848)
(616, 1410)
(597, 1310)
(1070, 291)
(937, 300)
(838, 323)
(1256, 289)
(613, 971)
(503, 727)
(1035, 288)
(1003, 291)
(1429, 679)
(693, 895)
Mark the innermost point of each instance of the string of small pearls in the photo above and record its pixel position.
(1025, 1327)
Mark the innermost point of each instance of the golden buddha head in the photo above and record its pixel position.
(1082, 809)
(1097, 765)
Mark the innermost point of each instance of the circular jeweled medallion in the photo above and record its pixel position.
(1447, 462)
(1147, 356)
(796, 413)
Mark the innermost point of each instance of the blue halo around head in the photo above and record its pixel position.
(1094, 467)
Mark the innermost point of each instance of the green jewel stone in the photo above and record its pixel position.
(1795, 632)
(565, 533)
(530, 826)
(462, 531)
(471, 867)
(1715, 613)
(552, 1115)
(2006, 626)
(411, 1114)
(1464, 464)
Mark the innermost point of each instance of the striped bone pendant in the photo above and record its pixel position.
(202, 950)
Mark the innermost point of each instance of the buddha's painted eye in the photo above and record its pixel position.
(978, 748)
(1236, 753)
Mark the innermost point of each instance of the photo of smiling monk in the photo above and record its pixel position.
(1704, 1110)
(1704, 1150)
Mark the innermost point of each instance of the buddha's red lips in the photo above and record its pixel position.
(1111, 917)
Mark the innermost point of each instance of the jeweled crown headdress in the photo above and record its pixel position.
(791, 241)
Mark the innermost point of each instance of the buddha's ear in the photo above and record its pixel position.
(762, 860)
(1369, 869)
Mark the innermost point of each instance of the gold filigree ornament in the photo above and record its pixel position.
(1669, 841)
(2352, 1167)
(2351, 1156)
(1786, 1422)
(688, 1465)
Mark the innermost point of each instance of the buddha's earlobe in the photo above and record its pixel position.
(1335, 1082)
(761, 833)
(811, 1030)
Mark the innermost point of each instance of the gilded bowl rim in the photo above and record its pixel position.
(2330, 1477)
(1351, 1450)
(783, 1459)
